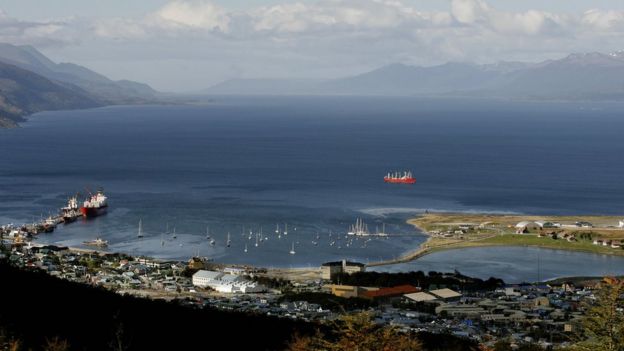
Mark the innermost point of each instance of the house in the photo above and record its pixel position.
(621, 224)
(446, 294)
(420, 297)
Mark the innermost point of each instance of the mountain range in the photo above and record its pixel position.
(589, 76)
(30, 82)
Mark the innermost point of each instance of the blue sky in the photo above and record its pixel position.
(186, 45)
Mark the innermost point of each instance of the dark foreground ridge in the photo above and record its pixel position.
(38, 308)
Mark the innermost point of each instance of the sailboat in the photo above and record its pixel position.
(292, 250)
(245, 247)
(174, 233)
(277, 228)
(140, 234)
(256, 240)
(285, 228)
(207, 232)
(261, 237)
(162, 240)
(228, 242)
(212, 242)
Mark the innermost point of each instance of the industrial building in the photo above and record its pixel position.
(330, 269)
(225, 283)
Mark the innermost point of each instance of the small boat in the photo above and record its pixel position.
(97, 242)
(212, 242)
(292, 250)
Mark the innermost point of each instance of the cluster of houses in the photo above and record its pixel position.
(526, 313)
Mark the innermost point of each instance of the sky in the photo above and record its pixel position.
(189, 45)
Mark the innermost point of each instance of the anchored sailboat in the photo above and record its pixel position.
(292, 250)
(140, 234)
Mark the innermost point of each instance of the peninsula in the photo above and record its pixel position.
(447, 231)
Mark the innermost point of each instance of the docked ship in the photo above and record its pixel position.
(71, 211)
(94, 205)
(400, 177)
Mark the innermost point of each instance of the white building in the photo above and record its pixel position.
(528, 225)
(621, 225)
(206, 278)
(225, 283)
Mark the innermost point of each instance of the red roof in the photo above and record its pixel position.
(390, 292)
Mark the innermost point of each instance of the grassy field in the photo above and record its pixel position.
(499, 230)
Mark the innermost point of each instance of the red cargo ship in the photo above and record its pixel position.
(398, 177)
(94, 205)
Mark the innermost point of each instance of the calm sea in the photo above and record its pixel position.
(315, 163)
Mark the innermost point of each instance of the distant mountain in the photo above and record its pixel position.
(578, 76)
(105, 89)
(409, 80)
(23, 92)
(263, 87)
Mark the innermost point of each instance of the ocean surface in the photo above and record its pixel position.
(316, 163)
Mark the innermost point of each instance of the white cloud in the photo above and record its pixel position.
(322, 38)
(44, 33)
(194, 14)
(603, 20)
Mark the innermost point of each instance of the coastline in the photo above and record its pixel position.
(501, 237)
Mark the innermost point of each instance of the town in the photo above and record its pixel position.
(483, 311)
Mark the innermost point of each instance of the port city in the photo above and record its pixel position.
(284, 292)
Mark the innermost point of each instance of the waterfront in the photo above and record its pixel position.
(514, 264)
(314, 163)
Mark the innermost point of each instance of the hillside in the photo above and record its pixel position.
(23, 92)
(107, 90)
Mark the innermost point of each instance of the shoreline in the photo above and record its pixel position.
(430, 246)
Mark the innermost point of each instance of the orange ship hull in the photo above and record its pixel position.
(400, 180)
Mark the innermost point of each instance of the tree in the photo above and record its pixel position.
(603, 325)
(357, 332)
(56, 344)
